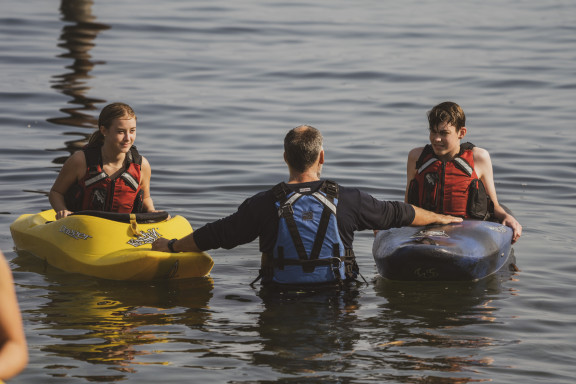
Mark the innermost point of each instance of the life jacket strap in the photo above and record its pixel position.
(322, 228)
(286, 212)
(268, 263)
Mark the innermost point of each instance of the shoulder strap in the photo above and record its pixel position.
(330, 188)
(425, 152)
(466, 146)
(286, 212)
(93, 157)
(461, 163)
(280, 192)
(133, 156)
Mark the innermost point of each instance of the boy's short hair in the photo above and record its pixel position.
(447, 112)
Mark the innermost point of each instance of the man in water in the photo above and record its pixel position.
(305, 226)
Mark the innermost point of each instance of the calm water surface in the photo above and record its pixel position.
(216, 85)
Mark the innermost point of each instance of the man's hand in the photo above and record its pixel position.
(185, 244)
(160, 245)
(447, 219)
(424, 217)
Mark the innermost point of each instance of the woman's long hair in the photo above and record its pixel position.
(108, 114)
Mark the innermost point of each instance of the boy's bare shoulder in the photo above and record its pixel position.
(415, 151)
(480, 153)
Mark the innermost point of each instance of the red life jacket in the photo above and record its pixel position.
(97, 191)
(452, 187)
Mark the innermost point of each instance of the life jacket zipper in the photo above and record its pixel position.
(110, 197)
(440, 196)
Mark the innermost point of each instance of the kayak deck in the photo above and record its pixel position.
(470, 250)
(108, 249)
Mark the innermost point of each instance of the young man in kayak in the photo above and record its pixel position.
(13, 346)
(452, 178)
(108, 174)
(305, 226)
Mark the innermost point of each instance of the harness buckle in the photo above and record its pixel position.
(285, 211)
(331, 189)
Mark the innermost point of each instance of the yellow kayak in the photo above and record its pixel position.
(114, 246)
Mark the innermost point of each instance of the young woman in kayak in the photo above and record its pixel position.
(108, 174)
(452, 178)
(13, 346)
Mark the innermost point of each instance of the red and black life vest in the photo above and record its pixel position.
(97, 191)
(452, 187)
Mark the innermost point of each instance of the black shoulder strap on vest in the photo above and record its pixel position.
(281, 192)
(330, 188)
(462, 164)
(466, 146)
(134, 156)
(425, 152)
(93, 157)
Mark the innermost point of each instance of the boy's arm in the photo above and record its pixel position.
(483, 167)
(413, 156)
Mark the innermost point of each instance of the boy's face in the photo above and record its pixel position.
(445, 140)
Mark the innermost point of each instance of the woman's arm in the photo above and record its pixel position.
(72, 171)
(13, 347)
(146, 175)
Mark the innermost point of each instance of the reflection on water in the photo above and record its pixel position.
(218, 82)
(305, 333)
(425, 327)
(108, 322)
(78, 39)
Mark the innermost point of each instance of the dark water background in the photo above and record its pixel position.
(216, 85)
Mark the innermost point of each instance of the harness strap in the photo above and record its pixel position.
(322, 228)
(95, 179)
(330, 188)
(427, 164)
(285, 211)
(421, 166)
(326, 201)
(94, 157)
(281, 191)
(281, 263)
(130, 180)
(268, 263)
(308, 262)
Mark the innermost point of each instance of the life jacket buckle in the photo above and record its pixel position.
(331, 189)
(285, 210)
